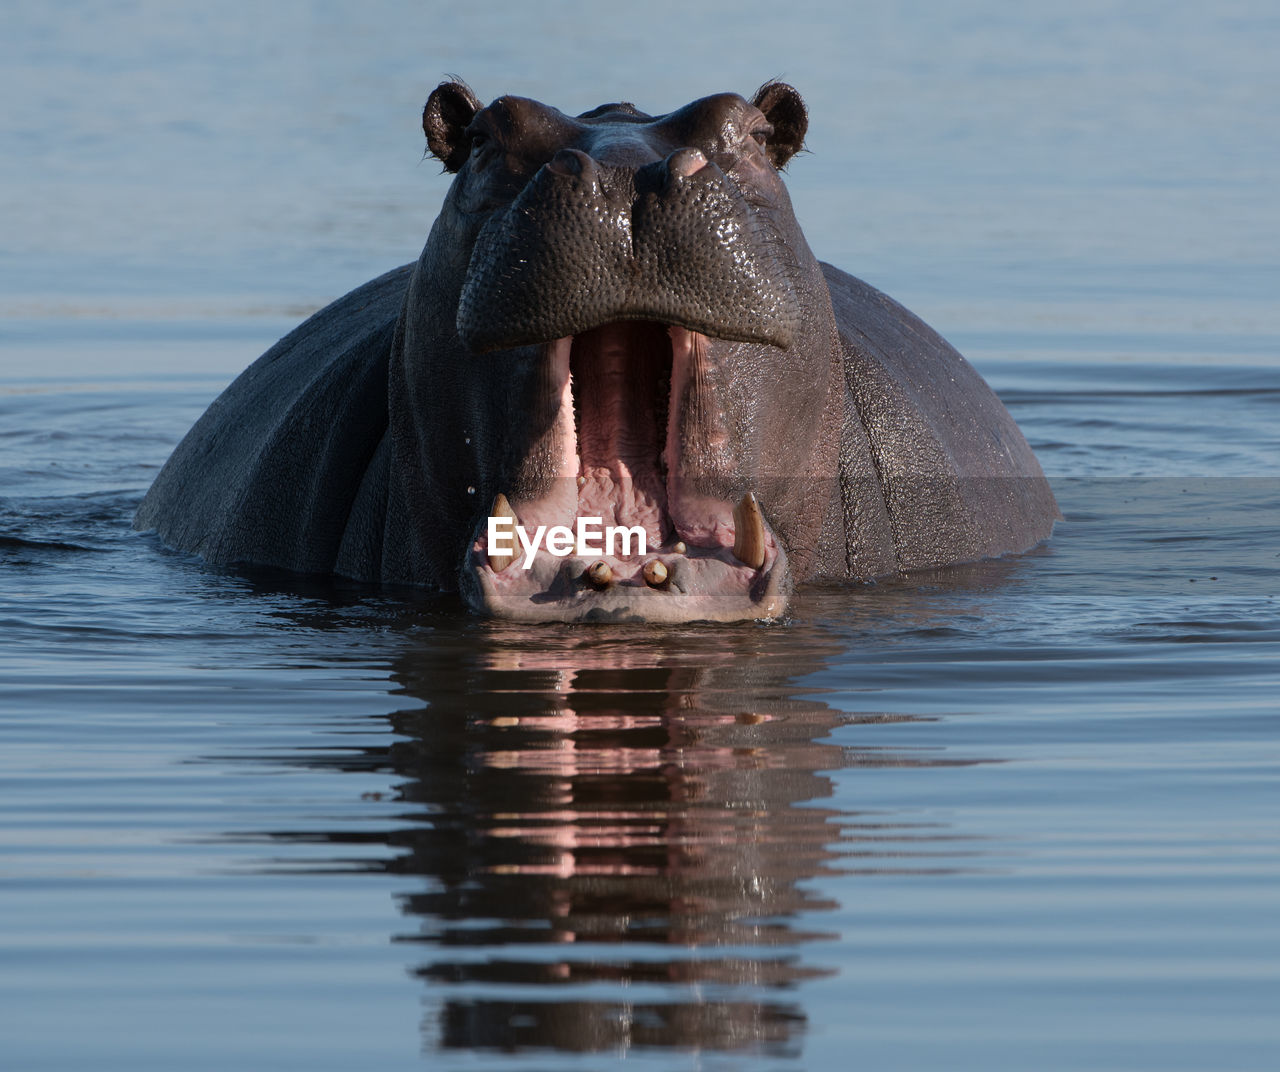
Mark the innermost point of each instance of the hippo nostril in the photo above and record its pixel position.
(669, 172)
(571, 162)
(685, 162)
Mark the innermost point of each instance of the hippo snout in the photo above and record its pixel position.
(587, 243)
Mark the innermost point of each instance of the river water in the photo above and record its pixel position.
(1020, 814)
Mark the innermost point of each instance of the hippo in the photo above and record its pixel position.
(616, 327)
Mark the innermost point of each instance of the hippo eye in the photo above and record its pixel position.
(761, 134)
(479, 138)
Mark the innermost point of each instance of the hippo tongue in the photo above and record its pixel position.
(621, 386)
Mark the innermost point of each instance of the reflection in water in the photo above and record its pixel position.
(620, 835)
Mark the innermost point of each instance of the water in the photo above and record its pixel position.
(1020, 814)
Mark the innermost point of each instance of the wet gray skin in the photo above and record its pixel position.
(615, 316)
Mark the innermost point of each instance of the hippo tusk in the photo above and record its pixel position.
(501, 508)
(748, 532)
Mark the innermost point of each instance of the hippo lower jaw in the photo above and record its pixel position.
(696, 587)
(619, 448)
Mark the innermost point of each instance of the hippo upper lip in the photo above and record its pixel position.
(578, 249)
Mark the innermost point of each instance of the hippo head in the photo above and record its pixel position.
(616, 317)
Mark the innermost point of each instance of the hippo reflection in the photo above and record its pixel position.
(615, 316)
(636, 816)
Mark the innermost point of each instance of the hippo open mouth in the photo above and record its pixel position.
(626, 419)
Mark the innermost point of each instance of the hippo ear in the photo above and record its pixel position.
(785, 110)
(449, 111)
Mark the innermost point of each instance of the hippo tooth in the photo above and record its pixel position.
(655, 573)
(501, 508)
(600, 575)
(680, 547)
(748, 532)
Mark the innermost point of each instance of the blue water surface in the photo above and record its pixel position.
(1019, 814)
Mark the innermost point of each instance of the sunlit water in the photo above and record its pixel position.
(1022, 814)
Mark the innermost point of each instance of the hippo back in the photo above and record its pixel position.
(285, 468)
(957, 480)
